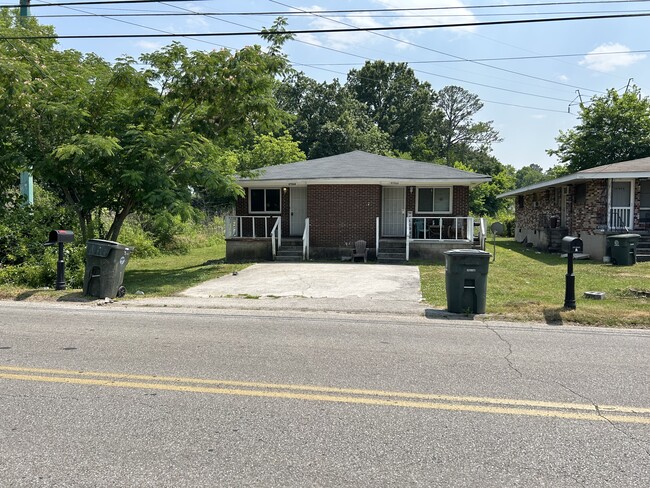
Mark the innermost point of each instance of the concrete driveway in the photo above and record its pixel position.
(316, 280)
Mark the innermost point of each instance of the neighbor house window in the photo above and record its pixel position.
(434, 200)
(645, 201)
(580, 194)
(264, 200)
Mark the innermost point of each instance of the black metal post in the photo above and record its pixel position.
(60, 270)
(570, 293)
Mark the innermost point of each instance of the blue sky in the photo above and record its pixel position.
(530, 76)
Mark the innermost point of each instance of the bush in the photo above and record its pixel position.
(142, 242)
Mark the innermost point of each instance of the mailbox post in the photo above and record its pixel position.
(570, 245)
(60, 237)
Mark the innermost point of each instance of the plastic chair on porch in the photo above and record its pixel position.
(418, 229)
(360, 251)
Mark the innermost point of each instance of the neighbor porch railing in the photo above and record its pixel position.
(620, 218)
(250, 226)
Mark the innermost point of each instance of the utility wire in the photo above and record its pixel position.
(93, 2)
(337, 31)
(150, 13)
(402, 41)
(345, 11)
(508, 58)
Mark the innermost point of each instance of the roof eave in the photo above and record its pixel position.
(575, 177)
(363, 181)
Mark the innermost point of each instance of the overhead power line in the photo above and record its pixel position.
(346, 11)
(344, 30)
(94, 2)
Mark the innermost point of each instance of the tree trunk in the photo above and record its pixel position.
(118, 221)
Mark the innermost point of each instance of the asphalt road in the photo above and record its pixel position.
(108, 396)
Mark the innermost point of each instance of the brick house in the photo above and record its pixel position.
(591, 204)
(318, 209)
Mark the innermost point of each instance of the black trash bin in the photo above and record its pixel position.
(622, 248)
(466, 280)
(105, 264)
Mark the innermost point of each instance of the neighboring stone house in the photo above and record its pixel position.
(591, 204)
(318, 209)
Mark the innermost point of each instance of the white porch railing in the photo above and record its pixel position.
(276, 233)
(620, 218)
(482, 232)
(438, 229)
(377, 237)
(305, 241)
(238, 227)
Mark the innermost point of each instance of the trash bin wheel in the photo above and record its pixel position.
(121, 291)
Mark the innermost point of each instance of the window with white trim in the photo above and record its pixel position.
(434, 200)
(264, 200)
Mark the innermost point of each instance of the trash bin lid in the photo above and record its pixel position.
(624, 236)
(467, 252)
(102, 248)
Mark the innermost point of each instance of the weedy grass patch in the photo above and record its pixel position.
(156, 276)
(524, 284)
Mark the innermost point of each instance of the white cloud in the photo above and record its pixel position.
(346, 40)
(604, 60)
(149, 45)
(339, 40)
(454, 12)
(563, 78)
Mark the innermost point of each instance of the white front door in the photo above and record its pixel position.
(297, 210)
(393, 213)
(620, 205)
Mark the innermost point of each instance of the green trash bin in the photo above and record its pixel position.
(622, 248)
(105, 264)
(466, 273)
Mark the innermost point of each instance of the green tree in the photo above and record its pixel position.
(529, 175)
(458, 133)
(483, 198)
(394, 99)
(612, 128)
(269, 151)
(327, 120)
(118, 138)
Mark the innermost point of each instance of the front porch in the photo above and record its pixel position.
(259, 238)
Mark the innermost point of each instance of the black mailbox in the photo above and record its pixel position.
(57, 236)
(60, 237)
(571, 244)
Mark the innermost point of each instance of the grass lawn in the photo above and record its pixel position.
(167, 275)
(526, 285)
(158, 276)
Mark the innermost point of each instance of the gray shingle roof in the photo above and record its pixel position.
(635, 168)
(360, 165)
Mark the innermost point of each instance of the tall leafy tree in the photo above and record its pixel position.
(394, 99)
(119, 138)
(613, 127)
(459, 134)
(328, 120)
(529, 175)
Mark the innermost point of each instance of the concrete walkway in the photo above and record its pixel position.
(316, 280)
(306, 287)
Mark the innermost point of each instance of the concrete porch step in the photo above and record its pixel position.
(391, 257)
(288, 258)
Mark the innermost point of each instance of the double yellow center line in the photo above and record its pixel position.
(485, 405)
